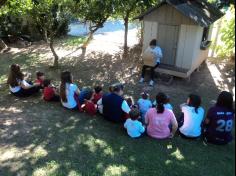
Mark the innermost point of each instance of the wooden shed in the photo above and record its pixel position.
(183, 30)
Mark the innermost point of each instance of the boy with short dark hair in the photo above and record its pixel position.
(49, 92)
(134, 128)
(40, 78)
(97, 94)
(89, 106)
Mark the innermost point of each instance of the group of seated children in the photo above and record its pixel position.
(157, 119)
(161, 123)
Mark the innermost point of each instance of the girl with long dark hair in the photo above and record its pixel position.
(69, 92)
(18, 85)
(160, 119)
(193, 116)
(219, 120)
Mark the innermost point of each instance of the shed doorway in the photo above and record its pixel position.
(167, 38)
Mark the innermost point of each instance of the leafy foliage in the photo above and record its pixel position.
(227, 47)
(129, 9)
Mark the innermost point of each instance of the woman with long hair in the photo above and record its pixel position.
(69, 92)
(161, 122)
(219, 120)
(192, 117)
(18, 85)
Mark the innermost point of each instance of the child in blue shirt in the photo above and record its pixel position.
(134, 128)
(144, 105)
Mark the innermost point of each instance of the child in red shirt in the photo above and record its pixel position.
(40, 78)
(98, 94)
(89, 106)
(49, 92)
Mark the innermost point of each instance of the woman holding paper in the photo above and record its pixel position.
(152, 59)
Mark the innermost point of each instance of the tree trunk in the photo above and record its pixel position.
(90, 37)
(142, 33)
(56, 58)
(126, 20)
(2, 45)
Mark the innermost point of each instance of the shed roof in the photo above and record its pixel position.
(200, 11)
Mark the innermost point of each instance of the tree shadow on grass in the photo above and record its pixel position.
(39, 138)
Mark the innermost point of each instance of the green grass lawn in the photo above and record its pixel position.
(43, 139)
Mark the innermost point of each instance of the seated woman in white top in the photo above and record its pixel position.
(156, 50)
(193, 116)
(18, 85)
(69, 92)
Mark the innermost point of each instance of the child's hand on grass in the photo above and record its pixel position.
(171, 135)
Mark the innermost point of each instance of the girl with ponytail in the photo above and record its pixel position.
(159, 120)
(192, 117)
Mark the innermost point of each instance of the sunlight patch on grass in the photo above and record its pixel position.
(49, 170)
(168, 162)
(73, 173)
(169, 147)
(13, 153)
(115, 170)
(177, 154)
(39, 152)
(3, 79)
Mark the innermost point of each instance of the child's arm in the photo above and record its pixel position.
(174, 124)
(142, 128)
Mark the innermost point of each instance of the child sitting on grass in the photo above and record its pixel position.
(49, 91)
(167, 104)
(98, 94)
(134, 128)
(144, 105)
(40, 78)
(89, 106)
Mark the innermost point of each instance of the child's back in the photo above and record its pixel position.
(90, 107)
(144, 106)
(133, 126)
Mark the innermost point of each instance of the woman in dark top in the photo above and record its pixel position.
(219, 121)
(115, 107)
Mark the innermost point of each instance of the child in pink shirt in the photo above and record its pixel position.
(160, 119)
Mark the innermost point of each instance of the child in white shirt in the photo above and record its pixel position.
(144, 105)
(134, 128)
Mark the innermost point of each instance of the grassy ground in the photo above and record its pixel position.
(38, 138)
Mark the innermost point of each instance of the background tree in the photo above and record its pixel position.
(129, 9)
(94, 12)
(50, 16)
(8, 10)
(227, 46)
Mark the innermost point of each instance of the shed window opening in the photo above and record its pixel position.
(205, 42)
(205, 34)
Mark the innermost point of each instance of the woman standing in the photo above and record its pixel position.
(157, 52)
(161, 122)
(18, 85)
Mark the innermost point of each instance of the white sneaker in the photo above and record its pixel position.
(151, 83)
(141, 80)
